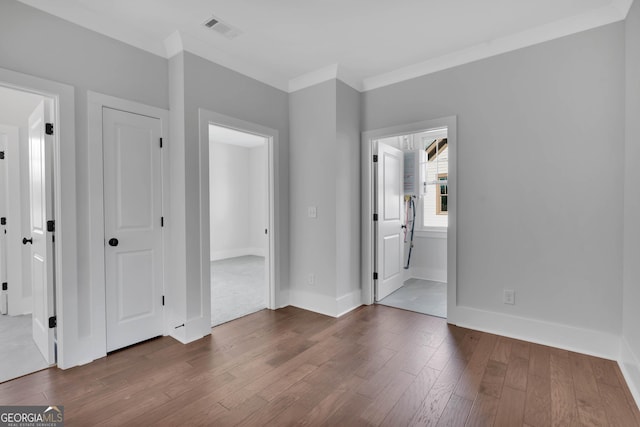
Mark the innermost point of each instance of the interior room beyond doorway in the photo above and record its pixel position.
(239, 245)
(21, 125)
(423, 161)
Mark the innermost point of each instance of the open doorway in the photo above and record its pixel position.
(239, 223)
(419, 281)
(409, 194)
(27, 298)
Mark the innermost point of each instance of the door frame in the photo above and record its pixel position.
(206, 118)
(368, 200)
(64, 199)
(96, 102)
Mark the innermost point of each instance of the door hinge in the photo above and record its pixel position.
(48, 128)
(160, 142)
(375, 276)
(375, 158)
(3, 221)
(161, 221)
(375, 217)
(1, 155)
(5, 286)
(53, 322)
(162, 299)
(51, 226)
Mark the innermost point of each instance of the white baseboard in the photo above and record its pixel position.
(630, 367)
(425, 273)
(191, 330)
(586, 341)
(329, 306)
(348, 302)
(233, 253)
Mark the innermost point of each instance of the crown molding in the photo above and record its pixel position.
(173, 45)
(614, 12)
(623, 6)
(177, 42)
(330, 72)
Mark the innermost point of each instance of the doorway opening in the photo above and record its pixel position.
(239, 222)
(27, 297)
(409, 194)
(418, 282)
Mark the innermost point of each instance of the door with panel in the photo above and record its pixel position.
(41, 239)
(389, 232)
(133, 221)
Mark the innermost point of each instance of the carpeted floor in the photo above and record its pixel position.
(238, 288)
(422, 296)
(18, 353)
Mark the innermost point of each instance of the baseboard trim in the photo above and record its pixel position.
(630, 367)
(586, 341)
(428, 274)
(329, 306)
(313, 302)
(191, 330)
(233, 253)
(348, 302)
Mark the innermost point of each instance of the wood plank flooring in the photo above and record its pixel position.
(375, 366)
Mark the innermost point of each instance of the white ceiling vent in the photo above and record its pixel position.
(222, 28)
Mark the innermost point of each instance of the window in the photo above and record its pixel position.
(441, 195)
(435, 195)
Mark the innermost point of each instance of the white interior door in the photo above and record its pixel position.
(4, 178)
(133, 236)
(390, 246)
(41, 241)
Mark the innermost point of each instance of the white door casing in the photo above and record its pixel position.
(390, 245)
(4, 190)
(41, 241)
(132, 218)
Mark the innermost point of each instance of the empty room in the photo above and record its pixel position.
(329, 213)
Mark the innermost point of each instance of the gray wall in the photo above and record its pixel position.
(325, 173)
(631, 313)
(313, 170)
(347, 189)
(213, 87)
(548, 222)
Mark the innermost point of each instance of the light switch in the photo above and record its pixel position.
(313, 212)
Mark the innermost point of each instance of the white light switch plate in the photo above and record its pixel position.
(313, 212)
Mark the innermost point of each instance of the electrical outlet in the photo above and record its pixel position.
(509, 296)
(313, 212)
(311, 279)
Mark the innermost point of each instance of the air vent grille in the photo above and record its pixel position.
(222, 27)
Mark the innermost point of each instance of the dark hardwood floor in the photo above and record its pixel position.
(375, 366)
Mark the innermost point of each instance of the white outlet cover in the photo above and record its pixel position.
(313, 212)
(509, 296)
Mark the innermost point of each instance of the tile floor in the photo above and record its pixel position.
(18, 353)
(238, 288)
(422, 296)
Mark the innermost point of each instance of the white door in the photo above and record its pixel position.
(133, 236)
(41, 241)
(4, 178)
(390, 246)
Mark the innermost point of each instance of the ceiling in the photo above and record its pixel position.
(222, 135)
(16, 106)
(291, 44)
